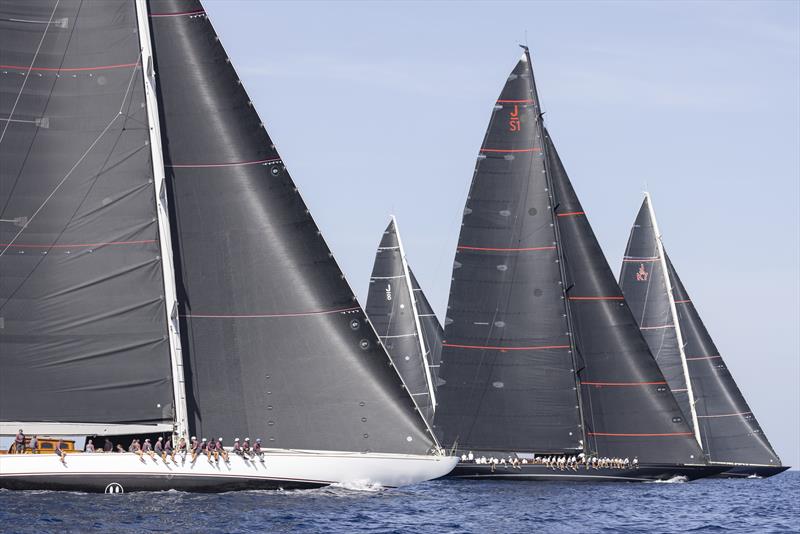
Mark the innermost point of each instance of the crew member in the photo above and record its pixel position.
(257, 450)
(19, 442)
(34, 445)
(159, 447)
(237, 448)
(246, 447)
(60, 451)
(108, 446)
(89, 447)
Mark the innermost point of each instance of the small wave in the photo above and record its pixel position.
(358, 485)
(678, 479)
(755, 476)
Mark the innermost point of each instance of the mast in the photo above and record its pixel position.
(417, 325)
(164, 234)
(674, 312)
(559, 251)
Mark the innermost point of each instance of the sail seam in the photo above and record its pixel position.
(71, 69)
(490, 347)
(228, 164)
(495, 249)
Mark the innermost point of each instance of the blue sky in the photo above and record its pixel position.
(380, 108)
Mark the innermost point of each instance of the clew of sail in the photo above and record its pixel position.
(275, 343)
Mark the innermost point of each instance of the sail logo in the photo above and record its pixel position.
(514, 124)
(388, 291)
(642, 275)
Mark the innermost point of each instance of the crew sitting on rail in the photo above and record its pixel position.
(219, 450)
(89, 447)
(19, 442)
(60, 451)
(246, 447)
(257, 450)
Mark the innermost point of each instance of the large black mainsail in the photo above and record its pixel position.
(392, 309)
(275, 343)
(83, 320)
(541, 352)
(507, 363)
(728, 429)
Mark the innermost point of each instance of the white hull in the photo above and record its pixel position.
(115, 472)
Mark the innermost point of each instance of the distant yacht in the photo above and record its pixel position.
(542, 360)
(709, 398)
(161, 274)
(404, 321)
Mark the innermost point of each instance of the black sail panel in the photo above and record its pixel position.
(83, 325)
(506, 361)
(728, 427)
(432, 331)
(628, 408)
(275, 343)
(391, 311)
(643, 283)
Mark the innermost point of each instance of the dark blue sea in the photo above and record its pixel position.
(747, 506)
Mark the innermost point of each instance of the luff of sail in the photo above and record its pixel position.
(432, 331)
(627, 405)
(276, 344)
(506, 359)
(728, 428)
(392, 309)
(83, 324)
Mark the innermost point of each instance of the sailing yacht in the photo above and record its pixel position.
(161, 274)
(722, 422)
(404, 320)
(541, 355)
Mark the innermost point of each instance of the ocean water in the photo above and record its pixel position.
(442, 506)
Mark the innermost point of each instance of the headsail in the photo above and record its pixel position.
(432, 331)
(509, 373)
(627, 405)
(83, 322)
(276, 344)
(728, 429)
(392, 309)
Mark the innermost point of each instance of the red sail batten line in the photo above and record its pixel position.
(511, 150)
(490, 249)
(682, 301)
(640, 260)
(597, 298)
(640, 435)
(724, 415)
(70, 69)
(703, 357)
(231, 164)
(489, 347)
(571, 213)
(77, 245)
(623, 384)
(269, 315)
(179, 14)
(524, 101)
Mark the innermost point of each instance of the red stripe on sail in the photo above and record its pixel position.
(570, 214)
(640, 435)
(489, 347)
(269, 315)
(597, 298)
(70, 69)
(623, 384)
(79, 245)
(524, 101)
(511, 150)
(492, 249)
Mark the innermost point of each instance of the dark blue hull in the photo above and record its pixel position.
(643, 473)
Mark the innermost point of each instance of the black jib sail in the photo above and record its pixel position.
(627, 405)
(507, 363)
(392, 309)
(728, 430)
(83, 320)
(432, 331)
(275, 343)
(651, 304)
